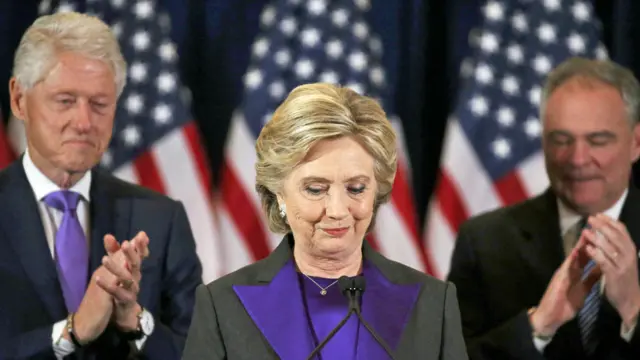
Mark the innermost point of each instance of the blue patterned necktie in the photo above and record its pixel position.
(71, 249)
(588, 315)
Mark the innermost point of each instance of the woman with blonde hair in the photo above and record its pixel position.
(326, 161)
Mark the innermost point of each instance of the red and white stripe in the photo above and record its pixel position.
(465, 189)
(175, 166)
(396, 232)
(243, 226)
(7, 154)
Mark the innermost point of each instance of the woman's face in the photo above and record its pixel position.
(329, 197)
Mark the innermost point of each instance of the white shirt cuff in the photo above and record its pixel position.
(61, 346)
(627, 335)
(540, 344)
(140, 343)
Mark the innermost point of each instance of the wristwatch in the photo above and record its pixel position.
(146, 325)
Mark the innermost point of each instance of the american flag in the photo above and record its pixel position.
(7, 154)
(155, 141)
(302, 42)
(492, 154)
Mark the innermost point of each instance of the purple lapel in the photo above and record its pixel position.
(387, 307)
(278, 311)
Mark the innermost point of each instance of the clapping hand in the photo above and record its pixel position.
(611, 247)
(566, 292)
(123, 262)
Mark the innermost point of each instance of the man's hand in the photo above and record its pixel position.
(124, 263)
(95, 310)
(610, 246)
(566, 292)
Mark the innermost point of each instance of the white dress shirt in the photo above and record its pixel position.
(570, 231)
(51, 219)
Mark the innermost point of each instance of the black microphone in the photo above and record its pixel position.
(344, 283)
(354, 292)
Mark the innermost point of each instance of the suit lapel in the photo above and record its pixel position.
(23, 228)
(109, 215)
(630, 213)
(542, 246)
(275, 305)
(387, 304)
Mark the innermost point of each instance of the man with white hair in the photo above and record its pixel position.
(72, 286)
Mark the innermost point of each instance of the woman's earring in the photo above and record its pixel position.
(283, 210)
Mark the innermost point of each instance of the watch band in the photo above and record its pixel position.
(70, 331)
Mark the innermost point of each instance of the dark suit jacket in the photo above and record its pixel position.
(415, 314)
(31, 300)
(502, 264)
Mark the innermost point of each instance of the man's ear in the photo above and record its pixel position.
(635, 151)
(17, 99)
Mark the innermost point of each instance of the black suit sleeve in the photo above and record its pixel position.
(204, 339)
(37, 342)
(453, 347)
(184, 274)
(510, 340)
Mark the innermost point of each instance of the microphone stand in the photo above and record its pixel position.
(367, 326)
(353, 289)
(345, 284)
(331, 334)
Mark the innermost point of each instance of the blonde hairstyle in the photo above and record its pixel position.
(61, 32)
(316, 112)
(603, 71)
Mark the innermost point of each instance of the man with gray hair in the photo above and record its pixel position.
(73, 286)
(556, 276)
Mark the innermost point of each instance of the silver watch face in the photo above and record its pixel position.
(146, 323)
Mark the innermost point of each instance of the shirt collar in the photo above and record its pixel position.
(568, 217)
(43, 186)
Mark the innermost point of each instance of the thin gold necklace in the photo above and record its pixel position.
(323, 290)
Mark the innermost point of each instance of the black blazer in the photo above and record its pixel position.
(223, 329)
(501, 266)
(31, 300)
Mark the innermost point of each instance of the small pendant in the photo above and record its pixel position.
(323, 292)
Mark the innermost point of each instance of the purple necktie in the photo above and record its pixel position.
(71, 248)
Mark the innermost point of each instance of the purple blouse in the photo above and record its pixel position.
(324, 312)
